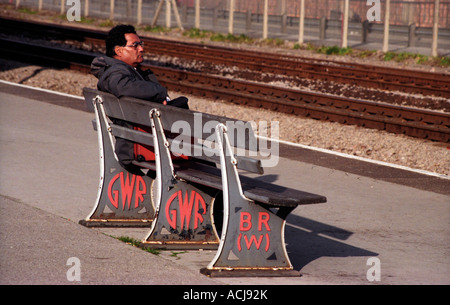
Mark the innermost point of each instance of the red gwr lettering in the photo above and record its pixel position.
(141, 189)
(172, 220)
(246, 221)
(127, 188)
(113, 195)
(186, 205)
(198, 218)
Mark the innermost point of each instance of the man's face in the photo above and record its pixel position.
(132, 53)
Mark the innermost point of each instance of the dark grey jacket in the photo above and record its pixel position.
(120, 79)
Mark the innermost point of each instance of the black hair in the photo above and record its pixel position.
(116, 37)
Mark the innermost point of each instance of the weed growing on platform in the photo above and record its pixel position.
(175, 254)
(335, 50)
(136, 243)
(443, 61)
(417, 58)
(156, 29)
(403, 56)
(29, 11)
(218, 37)
(197, 33)
(107, 23)
(231, 38)
(129, 240)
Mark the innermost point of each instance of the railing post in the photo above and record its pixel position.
(231, 17)
(129, 13)
(345, 25)
(386, 26)
(248, 21)
(266, 18)
(412, 35)
(177, 15)
(168, 19)
(301, 25)
(157, 12)
(197, 14)
(283, 17)
(139, 12)
(215, 16)
(111, 9)
(434, 43)
(364, 31)
(86, 8)
(323, 28)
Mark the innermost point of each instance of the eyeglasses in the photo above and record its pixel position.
(136, 44)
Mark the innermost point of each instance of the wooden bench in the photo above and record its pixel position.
(198, 202)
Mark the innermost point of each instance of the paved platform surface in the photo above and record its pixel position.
(49, 172)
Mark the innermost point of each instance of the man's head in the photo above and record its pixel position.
(124, 44)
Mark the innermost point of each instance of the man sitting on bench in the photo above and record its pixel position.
(120, 73)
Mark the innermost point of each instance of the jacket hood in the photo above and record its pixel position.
(100, 64)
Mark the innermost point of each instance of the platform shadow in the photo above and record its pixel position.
(270, 178)
(308, 240)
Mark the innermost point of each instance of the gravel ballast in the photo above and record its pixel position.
(353, 140)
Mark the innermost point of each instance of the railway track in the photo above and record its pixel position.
(432, 125)
(410, 82)
(353, 74)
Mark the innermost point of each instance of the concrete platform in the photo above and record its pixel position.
(49, 174)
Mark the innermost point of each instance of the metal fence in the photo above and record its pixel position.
(402, 12)
(362, 23)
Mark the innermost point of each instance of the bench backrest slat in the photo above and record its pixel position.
(132, 135)
(208, 154)
(186, 124)
(198, 124)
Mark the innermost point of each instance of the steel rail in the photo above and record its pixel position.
(432, 125)
(349, 73)
(408, 81)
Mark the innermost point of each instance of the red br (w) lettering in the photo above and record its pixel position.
(253, 240)
(193, 202)
(245, 223)
(263, 218)
(126, 187)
